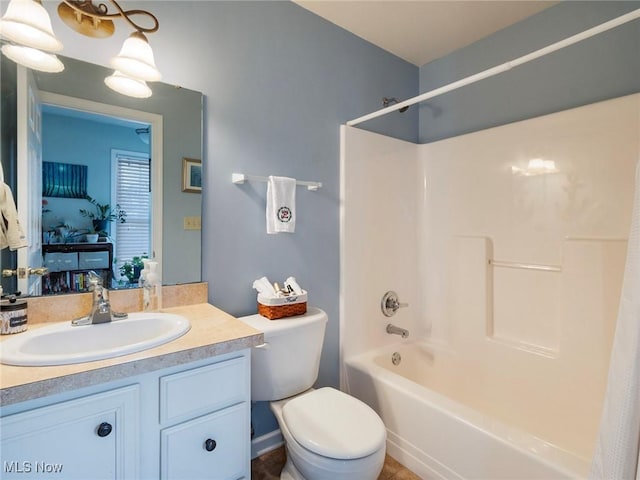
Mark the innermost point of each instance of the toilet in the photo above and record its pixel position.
(328, 434)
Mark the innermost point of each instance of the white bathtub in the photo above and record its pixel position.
(438, 436)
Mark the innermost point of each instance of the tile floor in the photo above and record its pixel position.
(268, 466)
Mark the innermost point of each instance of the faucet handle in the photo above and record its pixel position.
(100, 293)
(94, 279)
(390, 304)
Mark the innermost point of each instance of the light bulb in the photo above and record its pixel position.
(27, 23)
(33, 58)
(136, 59)
(132, 87)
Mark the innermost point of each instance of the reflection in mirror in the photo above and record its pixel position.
(96, 203)
(90, 145)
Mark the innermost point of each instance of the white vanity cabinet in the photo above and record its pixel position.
(91, 437)
(190, 421)
(211, 447)
(196, 442)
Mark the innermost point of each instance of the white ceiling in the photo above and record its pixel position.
(423, 30)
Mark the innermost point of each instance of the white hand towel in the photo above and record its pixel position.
(281, 204)
(11, 233)
(264, 287)
(291, 282)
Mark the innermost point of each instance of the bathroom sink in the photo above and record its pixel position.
(62, 343)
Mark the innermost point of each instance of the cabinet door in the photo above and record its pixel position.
(94, 437)
(211, 447)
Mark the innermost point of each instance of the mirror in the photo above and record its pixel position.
(180, 111)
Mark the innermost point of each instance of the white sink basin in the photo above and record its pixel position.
(63, 344)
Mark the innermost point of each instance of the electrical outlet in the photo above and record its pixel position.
(192, 223)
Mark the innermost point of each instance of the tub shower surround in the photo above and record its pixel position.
(509, 246)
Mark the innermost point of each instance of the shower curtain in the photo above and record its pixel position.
(616, 452)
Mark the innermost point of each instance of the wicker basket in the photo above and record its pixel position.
(274, 308)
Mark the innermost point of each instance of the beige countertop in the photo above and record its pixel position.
(213, 332)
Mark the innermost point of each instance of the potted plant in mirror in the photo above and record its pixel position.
(91, 236)
(131, 270)
(63, 233)
(103, 214)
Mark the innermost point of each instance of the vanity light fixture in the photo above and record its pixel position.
(130, 86)
(136, 59)
(26, 22)
(27, 26)
(33, 58)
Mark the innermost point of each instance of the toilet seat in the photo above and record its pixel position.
(333, 424)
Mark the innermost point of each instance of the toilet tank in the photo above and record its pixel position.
(288, 362)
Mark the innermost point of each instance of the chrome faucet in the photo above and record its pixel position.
(101, 309)
(392, 329)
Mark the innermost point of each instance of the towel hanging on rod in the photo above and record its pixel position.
(240, 178)
(281, 205)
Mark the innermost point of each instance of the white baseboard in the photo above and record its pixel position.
(265, 443)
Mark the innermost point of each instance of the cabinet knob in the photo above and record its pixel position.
(104, 429)
(209, 445)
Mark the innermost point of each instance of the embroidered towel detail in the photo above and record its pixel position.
(281, 204)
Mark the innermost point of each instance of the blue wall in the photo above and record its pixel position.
(602, 67)
(91, 144)
(281, 82)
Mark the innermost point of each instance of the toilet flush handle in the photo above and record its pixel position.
(262, 345)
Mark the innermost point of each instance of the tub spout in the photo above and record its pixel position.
(392, 329)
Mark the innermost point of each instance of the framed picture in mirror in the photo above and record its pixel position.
(64, 180)
(191, 175)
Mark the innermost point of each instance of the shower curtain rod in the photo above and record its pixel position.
(633, 15)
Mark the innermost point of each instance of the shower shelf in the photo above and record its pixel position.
(525, 266)
(240, 178)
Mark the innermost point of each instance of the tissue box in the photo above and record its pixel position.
(281, 307)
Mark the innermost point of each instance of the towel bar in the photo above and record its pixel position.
(240, 178)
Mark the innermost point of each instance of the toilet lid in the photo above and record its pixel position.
(334, 424)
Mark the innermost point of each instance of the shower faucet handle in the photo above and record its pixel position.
(391, 303)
